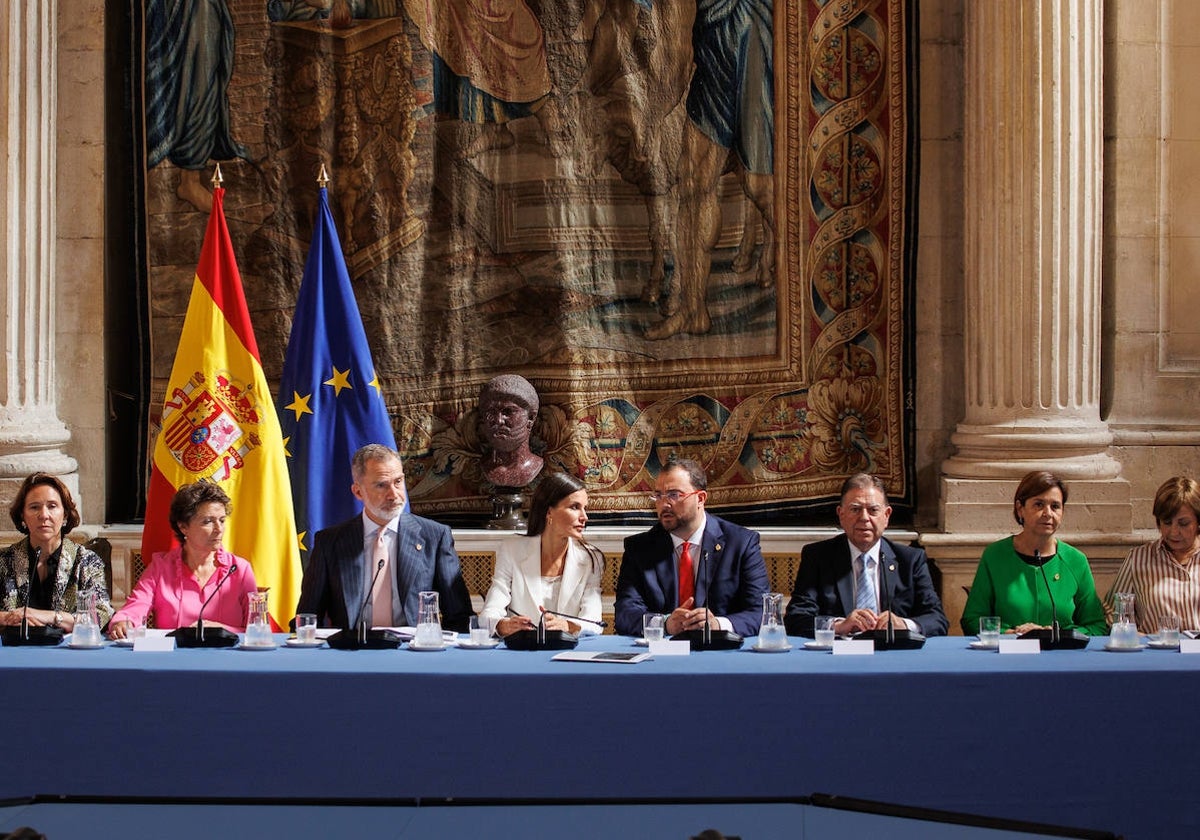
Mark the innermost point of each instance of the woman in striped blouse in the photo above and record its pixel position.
(1164, 575)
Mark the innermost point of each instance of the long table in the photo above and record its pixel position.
(1090, 739)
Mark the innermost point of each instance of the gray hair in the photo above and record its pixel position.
(371, 452)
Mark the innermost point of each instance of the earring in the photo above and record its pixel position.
(1021, 521)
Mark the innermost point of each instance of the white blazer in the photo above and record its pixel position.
(517, 583)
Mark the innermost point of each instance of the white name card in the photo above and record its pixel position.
(853, 647)
(1189, 645)
(1020, 645)
(154, 642)
(671, 647)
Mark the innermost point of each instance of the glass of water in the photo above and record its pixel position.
(653, 627)
(989, 630)
(823, 630)
(306, 628)
(480, 631)
(1168, 631)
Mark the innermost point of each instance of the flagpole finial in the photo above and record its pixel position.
(217, 178)
(323, 177)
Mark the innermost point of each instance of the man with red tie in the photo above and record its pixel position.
(689, 561)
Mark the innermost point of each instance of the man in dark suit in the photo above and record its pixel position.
(855, 577)
(417, 556)
(690, 558)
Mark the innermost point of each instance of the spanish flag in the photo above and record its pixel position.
(219, 424)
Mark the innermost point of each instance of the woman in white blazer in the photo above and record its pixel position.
(551, 567)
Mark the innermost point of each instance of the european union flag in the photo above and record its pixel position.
(330, 402)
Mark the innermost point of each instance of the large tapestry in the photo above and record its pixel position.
(684, 221)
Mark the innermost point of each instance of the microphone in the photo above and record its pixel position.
(208, 600)
(363, 638)
(545, 612)
(24, 634)
(1051, 638)
(33, 562)
(194, 636)
(889, 638)
(704, 638)
(543, 639)
(1055, 630)
(360, 623)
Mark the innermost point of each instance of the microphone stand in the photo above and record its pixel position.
(1055, 630)
(361, 638)
(1051, 638)
(889, 638)
(208, 600)
(890, 634)
(600, 624)
(543, 639)
(25, 615)
(20, 635)
(33, 562)
(707, 635)
(194, 637)
(361, 624)
(704, 638)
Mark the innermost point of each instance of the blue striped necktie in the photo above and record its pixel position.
(864, 597)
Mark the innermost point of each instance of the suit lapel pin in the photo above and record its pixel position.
(891, 567)
(717, 547)
(419, 546)
(1056, 575)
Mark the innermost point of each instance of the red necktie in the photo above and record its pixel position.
(687, 581)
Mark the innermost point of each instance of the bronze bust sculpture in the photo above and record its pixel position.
(508, 407)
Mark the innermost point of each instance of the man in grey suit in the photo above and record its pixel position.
(412, 554)
(862, 578)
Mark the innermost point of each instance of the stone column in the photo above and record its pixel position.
(31, 433)
(1033, 163)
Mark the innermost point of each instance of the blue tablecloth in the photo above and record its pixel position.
(1081, 738)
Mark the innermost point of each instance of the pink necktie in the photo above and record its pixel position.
(687, 579)
(381, 593)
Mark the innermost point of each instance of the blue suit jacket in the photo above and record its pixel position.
(335, 580)
(731, 576)
(825, 586)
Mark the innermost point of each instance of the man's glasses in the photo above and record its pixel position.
(672, 496)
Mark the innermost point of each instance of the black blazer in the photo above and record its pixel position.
(825, 586)
(336, 577)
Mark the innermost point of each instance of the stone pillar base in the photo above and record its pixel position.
(984, 506)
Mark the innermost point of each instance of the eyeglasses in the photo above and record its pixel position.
(672, 496)
(872, 510)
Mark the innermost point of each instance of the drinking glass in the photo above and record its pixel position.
(653, 627)
(481, 631)
(1168, 631)
(306, 628)
(989, 630)
(823, 630)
